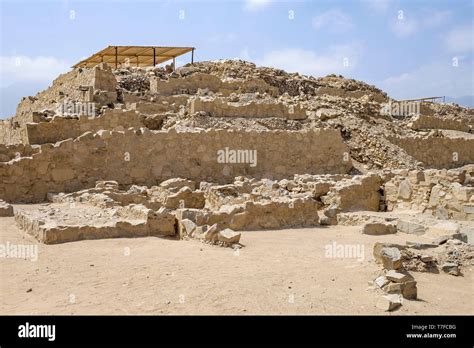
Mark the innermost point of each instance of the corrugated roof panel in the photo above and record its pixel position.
(143, 55)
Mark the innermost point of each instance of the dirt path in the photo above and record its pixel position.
(278, 272)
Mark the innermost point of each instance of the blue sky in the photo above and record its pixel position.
(409, 48)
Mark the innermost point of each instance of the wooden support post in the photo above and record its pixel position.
(192, 57)
(116, 57)
(154, 57)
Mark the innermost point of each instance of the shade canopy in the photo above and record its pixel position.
(134, 55)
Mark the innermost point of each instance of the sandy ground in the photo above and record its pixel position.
(277, 272)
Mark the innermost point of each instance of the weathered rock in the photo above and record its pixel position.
(186, 228)
(427, 258)
(178, 183)
(454, 242)
(443, 239)
(391, 258)
(450, 268)
(185, 198)
(410, 227)
(60, 223)
(393, 288)
(409, 290)
(469, 232)
(361, 192)
(200, 230)
(389, 302)
(444, 228)
(273, 214)
(397, 277)
(330, 216)
(405, 190)
(378, 247)
(228, 236)
(211, 234)
(162, 221)
(5, 209)
(377, 229)
(326, 114)
(420, 246)
(381, 281)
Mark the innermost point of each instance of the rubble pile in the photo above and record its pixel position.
(292, 83)
(397, 283)
(134, 80)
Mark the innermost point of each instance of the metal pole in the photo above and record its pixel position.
(192, 57)
(154, 57)
(116, 57)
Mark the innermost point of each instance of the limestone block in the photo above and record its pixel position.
(5, 209)
(377, 229)
(405, 190)
(391, 259)
(389, 302)
(410, 227)
(228, 236)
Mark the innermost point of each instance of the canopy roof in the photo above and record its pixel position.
(134, 55)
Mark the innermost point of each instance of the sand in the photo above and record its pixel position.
(277, 272)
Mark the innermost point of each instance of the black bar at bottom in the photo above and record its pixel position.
(347, 330)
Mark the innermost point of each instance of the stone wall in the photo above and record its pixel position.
(61, 128)
(438, 152)
(11, 132)
(84, 85)
(191, 84)
(160, 104)
(66, 86)
(222, 108)
(148, 157)
(356, 94)
(10, 152)
(360, 192)
(432, 122)
(444, 194)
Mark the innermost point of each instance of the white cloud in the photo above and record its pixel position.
(434, 18)
(432, 79)
(311, 63)
(255, 5)
(335, 19)
(22, 68)
(460, 39)
(406, 24)
(404, 27)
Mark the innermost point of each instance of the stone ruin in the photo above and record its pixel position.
(218, 147)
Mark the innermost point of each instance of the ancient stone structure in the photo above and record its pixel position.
(141, 156)
(218, 147)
